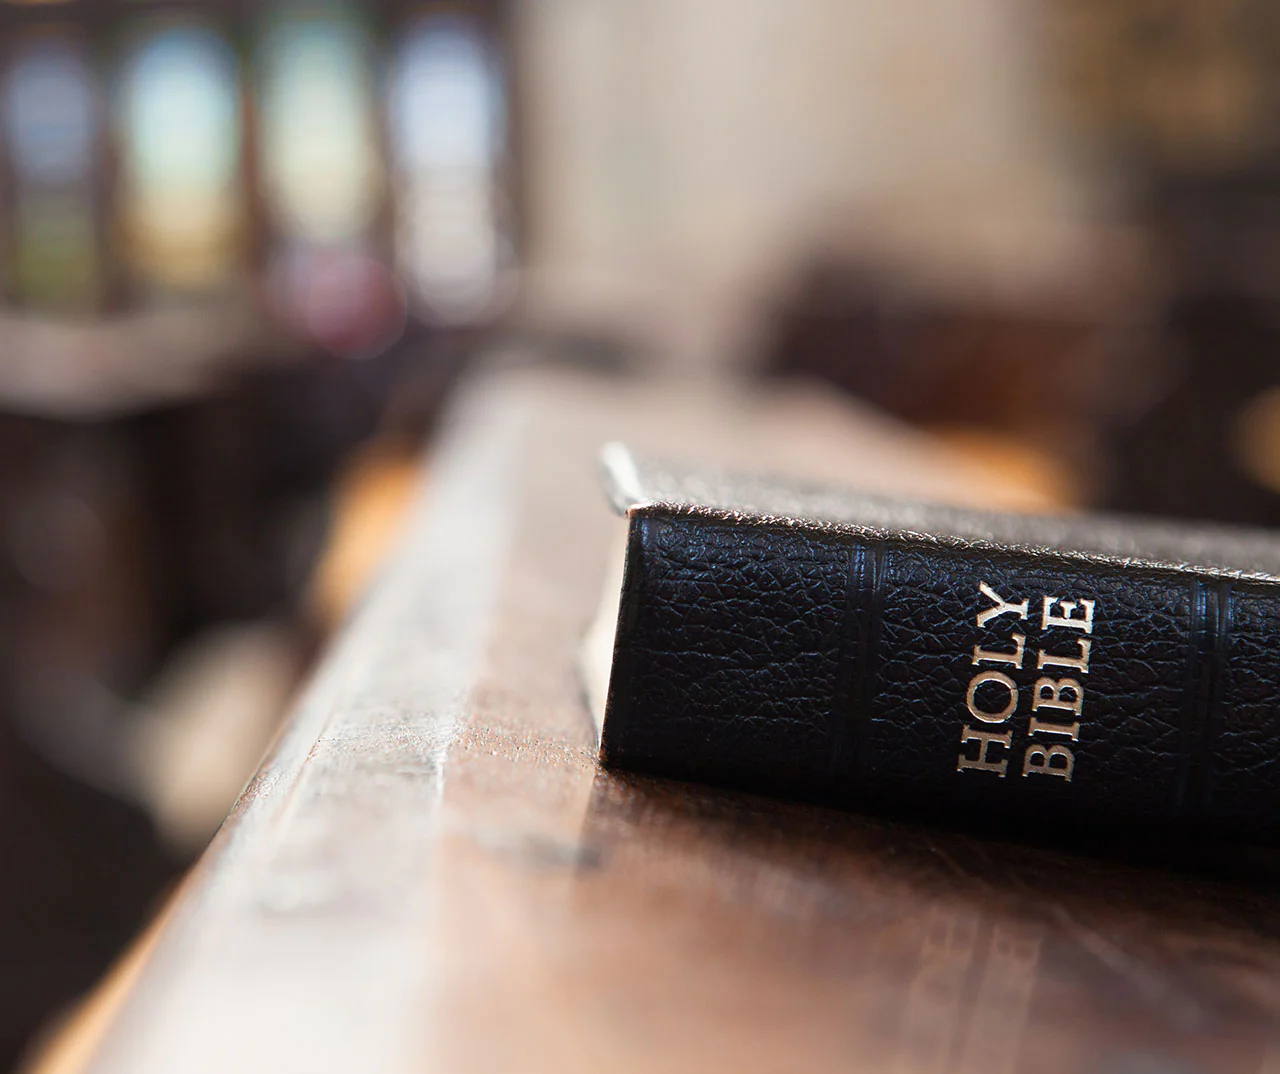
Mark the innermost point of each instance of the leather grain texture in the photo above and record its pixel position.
(842, 663)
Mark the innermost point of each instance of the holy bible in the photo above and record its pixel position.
(1055, 673)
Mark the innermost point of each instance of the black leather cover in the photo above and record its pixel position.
(833, 646)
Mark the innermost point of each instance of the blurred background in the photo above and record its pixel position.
(247, 247)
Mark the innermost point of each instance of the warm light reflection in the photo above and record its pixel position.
(320, 161)
(179, 122)
(446, 130)
(51, 126)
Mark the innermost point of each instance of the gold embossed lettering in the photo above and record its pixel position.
(995, 656)
(1078, 663)
(1002, 606)
(1043, 760)
(1053, 726)
(1048, 695)
(1068, 618)
(985, 740)
(1001, 681)
(1071, 730)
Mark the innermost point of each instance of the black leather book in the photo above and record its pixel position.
(1051, 672)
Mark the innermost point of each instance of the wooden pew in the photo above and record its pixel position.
(430, 872)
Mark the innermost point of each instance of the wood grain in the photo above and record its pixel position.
(431, 873)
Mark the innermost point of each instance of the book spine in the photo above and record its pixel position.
(906, 674)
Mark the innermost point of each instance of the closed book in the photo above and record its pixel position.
(1047, 672)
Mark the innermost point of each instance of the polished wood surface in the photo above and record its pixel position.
(431, 872)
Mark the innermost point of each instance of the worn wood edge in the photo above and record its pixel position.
(240, 860)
